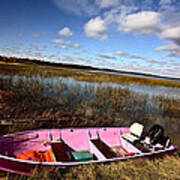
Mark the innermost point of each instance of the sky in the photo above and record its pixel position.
(129, 35)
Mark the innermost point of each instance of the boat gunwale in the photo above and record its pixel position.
(172, 149)
(27, 131)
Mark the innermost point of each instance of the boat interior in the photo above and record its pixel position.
(70, 145)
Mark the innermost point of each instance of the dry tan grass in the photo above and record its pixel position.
(140, 169)
(80, 75)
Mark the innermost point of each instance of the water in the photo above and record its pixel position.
(124, 74)
(137, 75)
(167, 92)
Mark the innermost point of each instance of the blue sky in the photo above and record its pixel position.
(131, 35)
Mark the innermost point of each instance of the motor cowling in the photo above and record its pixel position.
(155, 134)
(165, 141)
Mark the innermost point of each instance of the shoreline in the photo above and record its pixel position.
(53, 65)
(15, 68)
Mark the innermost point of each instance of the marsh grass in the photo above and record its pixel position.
(25, 94)
(99, 105)
(81, 75)
(33, 93)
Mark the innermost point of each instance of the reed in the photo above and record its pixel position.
(38, 97)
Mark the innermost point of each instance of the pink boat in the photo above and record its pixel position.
(21, 152)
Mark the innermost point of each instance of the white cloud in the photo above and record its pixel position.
(96, 28)
(172, 49)
(173, 34)
(61, 47)
(156, 23)
(125, 54)
(66, 32)
(61, 41)
(176, 64)
(174, 54)
(157, 61)
(105, 56)
(137, 57)
(75, 45)
(66, 43)
(107, 3)
(78, 7)
(37, 48)
(146, 22)
(94, 7)
(121, 53)
(169, 47)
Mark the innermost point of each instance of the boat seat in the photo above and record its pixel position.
(60, 153)
(135, 132)
(141, 147)
(104, 148)
(120, 151)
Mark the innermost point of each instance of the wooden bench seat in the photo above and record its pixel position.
(141, 147)
(104, 148)
(61, 154)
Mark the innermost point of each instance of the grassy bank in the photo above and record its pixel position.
(160, 169)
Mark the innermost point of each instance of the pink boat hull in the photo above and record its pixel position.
(77, 139)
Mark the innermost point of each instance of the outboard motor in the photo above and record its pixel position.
(165, 141)
(156, 133)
